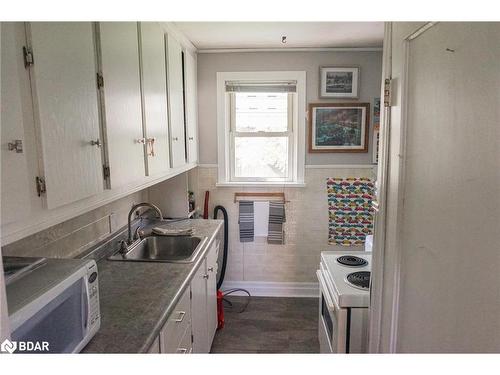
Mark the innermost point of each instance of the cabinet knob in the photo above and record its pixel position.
(16, 145)
(206, 276)
(175, 139)
(210, 269)
(141, 140)
(97, 143)
(191, 138)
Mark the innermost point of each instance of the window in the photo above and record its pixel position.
(259, 121)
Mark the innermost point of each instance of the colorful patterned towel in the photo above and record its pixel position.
(350, 210)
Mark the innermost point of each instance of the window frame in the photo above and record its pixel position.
(296, 131)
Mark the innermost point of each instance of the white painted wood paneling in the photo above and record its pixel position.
(199, 310)
(18, 174)
(176, 102)
(154, 96)
(122, 101)
(66, 109)
(191, 106)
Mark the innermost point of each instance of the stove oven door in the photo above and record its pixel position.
(332, 324)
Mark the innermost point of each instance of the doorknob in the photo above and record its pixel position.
(97, 142)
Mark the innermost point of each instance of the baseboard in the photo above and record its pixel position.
(273, 289)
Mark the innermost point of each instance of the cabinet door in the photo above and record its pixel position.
(176, 102)
(154, 97)
(191, 106)
(66, 109)
(212, 293)
(18, 168)
(199, 310)
(119, 54)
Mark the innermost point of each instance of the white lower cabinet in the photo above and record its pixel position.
(204, 302)
(192, 324)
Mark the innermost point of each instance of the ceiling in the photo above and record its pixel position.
(219, 35)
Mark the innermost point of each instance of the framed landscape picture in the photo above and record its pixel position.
(338, 127)
(338, 82)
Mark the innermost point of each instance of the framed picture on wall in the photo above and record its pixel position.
(338, 127)
(338, 82)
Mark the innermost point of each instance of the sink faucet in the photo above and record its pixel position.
(130, 239)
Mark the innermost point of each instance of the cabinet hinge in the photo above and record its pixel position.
(40, 186)
(190, 294)
(192, 339)
(106, 171)
(100, 81)
(387, 92)
(28, 57)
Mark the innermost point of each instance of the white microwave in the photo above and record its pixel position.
(53, 304)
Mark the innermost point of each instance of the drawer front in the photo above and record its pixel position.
(185, 345)
(177, 323)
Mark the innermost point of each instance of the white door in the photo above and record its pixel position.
(66, 109)
(212, 293)
(176, 102)
(119, 54)
(18, 177)
(443, 245)
(191, 106)
(154, 96)
(199, 310)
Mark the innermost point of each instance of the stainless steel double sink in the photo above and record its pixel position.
(177, 249)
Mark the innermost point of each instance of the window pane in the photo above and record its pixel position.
(264, 112)
(264, 157)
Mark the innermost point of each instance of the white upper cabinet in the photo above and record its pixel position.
(190, 79)
(176, 102)
(119, 55)
(66, 109)
(18, 181)
(154, 97)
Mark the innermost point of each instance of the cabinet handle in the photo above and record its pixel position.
(181, 351)
(97, 143)
(181, 317)
(175, 139)
(206, 276)
(210, 269)
(191, 138)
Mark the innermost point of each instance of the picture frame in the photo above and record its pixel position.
(339, 82)
(338, 127)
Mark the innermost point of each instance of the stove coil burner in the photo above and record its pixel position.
(352, 261)
(360, 280)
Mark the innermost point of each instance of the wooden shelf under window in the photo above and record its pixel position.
(260, 197)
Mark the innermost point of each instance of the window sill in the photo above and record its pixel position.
(261, 184)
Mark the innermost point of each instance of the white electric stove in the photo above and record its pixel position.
(344, 278)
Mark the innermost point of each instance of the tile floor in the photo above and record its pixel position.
(269, 325)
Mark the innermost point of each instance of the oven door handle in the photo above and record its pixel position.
(322, 284)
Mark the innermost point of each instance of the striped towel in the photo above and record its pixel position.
(246, 221)
(276, 235)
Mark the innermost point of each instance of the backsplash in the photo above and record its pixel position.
(306, 227)
(73, 237)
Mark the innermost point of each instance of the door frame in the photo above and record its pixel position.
(386, 258)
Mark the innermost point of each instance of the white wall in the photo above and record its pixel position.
(448, 217)
(209, 64)
(306, 227)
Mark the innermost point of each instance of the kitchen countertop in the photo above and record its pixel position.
(136, 298)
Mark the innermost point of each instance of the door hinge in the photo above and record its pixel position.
(387, 92)
(100, 80)
(28, 57)
(40, 186)
(106, 171)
